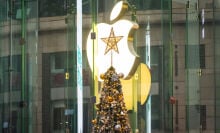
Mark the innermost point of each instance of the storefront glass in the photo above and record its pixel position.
(48, 85)
(217, 65)
(19, 66)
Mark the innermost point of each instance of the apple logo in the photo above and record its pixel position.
(113, 45)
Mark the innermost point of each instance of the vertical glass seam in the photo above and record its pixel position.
(79, 69)
(23, 71)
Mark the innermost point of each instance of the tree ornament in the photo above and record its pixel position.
(110, 99)
(114, 77)
(117, 127)
(94, 121)
(120, 75)
(119, 87)
(102, 76)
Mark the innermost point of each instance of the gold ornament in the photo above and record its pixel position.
(115, 91)
(94, 121)
(102, 76)
(110, 99)
(120, 97)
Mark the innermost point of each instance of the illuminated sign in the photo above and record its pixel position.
(114, 45)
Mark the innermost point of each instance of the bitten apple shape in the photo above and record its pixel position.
(125, 60)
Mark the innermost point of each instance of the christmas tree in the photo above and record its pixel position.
(111, 114)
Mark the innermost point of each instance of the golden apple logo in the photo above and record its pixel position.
(114, 45)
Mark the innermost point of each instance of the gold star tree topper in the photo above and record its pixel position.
(112, 41)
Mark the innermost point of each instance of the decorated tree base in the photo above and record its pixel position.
(111, 114)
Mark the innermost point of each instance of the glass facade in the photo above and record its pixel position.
(48, 86)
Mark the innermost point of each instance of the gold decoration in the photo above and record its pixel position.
(112, 41)
(102, 76)
(120, 97)
(94, 121)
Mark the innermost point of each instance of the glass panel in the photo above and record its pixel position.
(217, 63)
(17, 64)
(192, 68)
(206, 55)
(167, 89)
(156, 92)
(90, 82)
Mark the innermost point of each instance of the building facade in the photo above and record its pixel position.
(47, 85)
